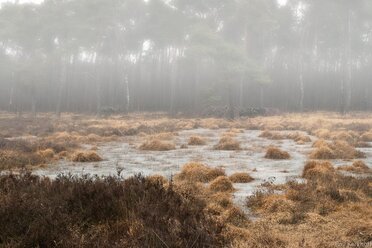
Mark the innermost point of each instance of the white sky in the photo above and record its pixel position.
(281, 2)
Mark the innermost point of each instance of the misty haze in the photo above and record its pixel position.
(186, 123)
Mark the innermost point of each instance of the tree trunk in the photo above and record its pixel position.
(62, 82)
(231, 110)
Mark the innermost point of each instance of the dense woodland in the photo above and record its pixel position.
(185, 56)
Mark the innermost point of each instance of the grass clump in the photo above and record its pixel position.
(157, 145)
(357, 167)
(241, 178)
(367, 136)
(317, 168)
(337, 150)
(323, 152)
(197, 172)
(47, 153)
(221, 184)
(86, 157)
(271, 135)
(277, 154)
(196, 141)
(228, 144)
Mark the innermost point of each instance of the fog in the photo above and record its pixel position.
(193, 57)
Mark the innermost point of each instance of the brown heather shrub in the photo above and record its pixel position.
(221, 184)
(196, 172)
(196, 141)
(277, 154)
(241, 178)
(86, 156)
(157, 145)
(316, 168)
(228, 144)
(101, 212)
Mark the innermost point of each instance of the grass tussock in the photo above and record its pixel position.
(157, 145)
(357, 167)
(97, 212)
(196, 172)
(86, 157)
(367, 136)
(272, 135)
(47, 153)
(336, 150)
(277, 154)
(196, 141)
(324, 193)
(241, 177)
(228, 144)
(315, 169)
(221, 184)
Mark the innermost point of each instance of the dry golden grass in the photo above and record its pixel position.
(47, 153)
(272, 135)
(327, 210)
(320, 143)
(228, 144)
(158, 179)
(367, 136)
(157, 145)
(316, 168)
(277, 154)
(86, 156)
(339, 149)
(196, 141)
(221, 184)
(196, 172)
(241, 177)
(323, 152)
(357, 167)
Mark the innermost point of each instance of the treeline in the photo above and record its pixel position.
(186, 56)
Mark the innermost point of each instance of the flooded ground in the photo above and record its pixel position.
(126, 156)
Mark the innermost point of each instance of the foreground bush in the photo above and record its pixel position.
(96, 212)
